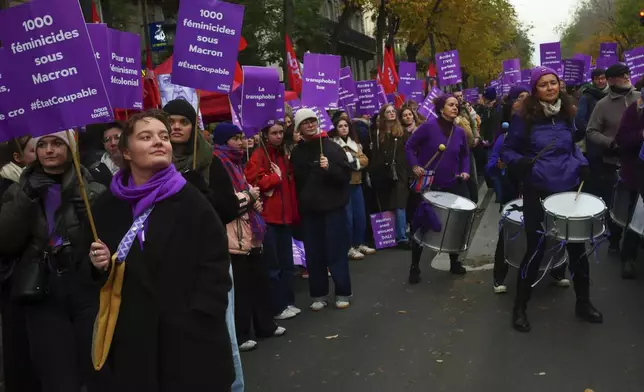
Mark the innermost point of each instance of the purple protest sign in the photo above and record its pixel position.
(348, 92)
(279, 103)
(608, 49)
(321, 80)
(295, 105)
(587, 59)
(259, 92)
(235, 98)
(6, 103)
(605, 62)
(299, 254)
(367, 98)
(206, 44)
(525, 76)
(448, 66)
(511, 72)
(382, 97)
(234, 115)
(635, 61)
(324, 121)
(551, 55)
(427, 107)
(407, 77)
(383, 225)
(391, 98)
(126, 90)
(416, 92)
(100, 44)
(471, 95)
(573, 71)
(351, 110)
(51, 58)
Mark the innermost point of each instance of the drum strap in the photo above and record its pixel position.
(451, 132)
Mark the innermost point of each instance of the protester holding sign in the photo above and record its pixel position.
(42, 224)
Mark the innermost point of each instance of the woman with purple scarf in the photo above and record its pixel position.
(245, 237)
(450, 167)
(171, 332)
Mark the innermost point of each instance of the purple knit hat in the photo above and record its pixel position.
(538, 72)
(440, 101)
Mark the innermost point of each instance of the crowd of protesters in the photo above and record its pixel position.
(206, 222)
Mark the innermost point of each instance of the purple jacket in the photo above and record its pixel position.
(491, 169)
(557, 168)
(629, 139)
(423, 144)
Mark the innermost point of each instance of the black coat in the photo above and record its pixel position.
(101, 173)
(383, 154)
(171, 334)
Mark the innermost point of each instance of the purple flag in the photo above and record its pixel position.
(635, 61)
(321, 80)
(449, 68)
(260, 90)
(608, 49)
(126, 90)
(511, 72)
(407, 75)
(367, 95)
(206, 44)
(587, 59)
(573, 71)
(525, 76)
(417, 93)
(48, 54)
(348, 92)
(100, 44)
(551, 55)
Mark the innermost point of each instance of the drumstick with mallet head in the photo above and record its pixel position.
(441, 148)
(579, 190)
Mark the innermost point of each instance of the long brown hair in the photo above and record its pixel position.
(532, 112)
(396, 129)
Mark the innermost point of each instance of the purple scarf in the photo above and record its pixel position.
(162, 185)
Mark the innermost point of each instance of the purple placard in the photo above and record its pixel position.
(608, 49)
(471, 95)
(573, 71)
(235, 98)
(206, 44)
(324, 121)
(525, 76)
(348, 93)
(427, 107)
(407, 76)
(299, 254)
(417, 92)
(367, 97)
(126, 90)
(234, 115)
(511, 72)
(50, 57)
(279, 103)
(605, 62)
(259, 93)
(551, 55)
(635, 61)
(587, 59)
(7, 91)
(448, 66)
(321, 80)
(100, 44)
(382, 97)
(383, 225)
(351, 110)
(295, 105)
(391, 98)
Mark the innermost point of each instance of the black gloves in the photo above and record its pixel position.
(584, 173)
(36, 184)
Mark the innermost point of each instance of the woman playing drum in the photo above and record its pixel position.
(450, 163)
(540, 150)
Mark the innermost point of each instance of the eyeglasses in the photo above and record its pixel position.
(309, 121)
(390, 112)
(116, 138)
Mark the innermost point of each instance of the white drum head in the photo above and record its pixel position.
(565, 205)
(449, 200)
(513, 210)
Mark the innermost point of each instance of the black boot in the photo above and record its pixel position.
(628, 269)
(585, 310)
(455, 266)
(520, 320)
(414, 274)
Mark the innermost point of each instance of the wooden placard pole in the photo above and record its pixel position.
(81, 185)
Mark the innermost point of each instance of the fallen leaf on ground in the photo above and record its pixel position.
(332, 337)
(542, 373)
(402, 312)
(439, 360)
(588, 390)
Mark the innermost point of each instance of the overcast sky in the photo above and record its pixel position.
(544, 15)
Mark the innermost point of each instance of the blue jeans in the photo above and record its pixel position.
(401, 225)
(278, 258)
(238, 385)
(326, 242)
(356, 216)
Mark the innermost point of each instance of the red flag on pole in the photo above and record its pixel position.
(389, 77)
(95, 17)
(294, 71)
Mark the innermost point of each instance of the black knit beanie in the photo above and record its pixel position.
(181, 107)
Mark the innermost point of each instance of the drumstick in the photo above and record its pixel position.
(546, 148)
(579, 190)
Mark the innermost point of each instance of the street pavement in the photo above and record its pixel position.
(453, 334)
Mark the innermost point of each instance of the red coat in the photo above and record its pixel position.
(280, 202)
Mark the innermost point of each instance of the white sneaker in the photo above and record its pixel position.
(365, 250)
(562, 282)
(318, 305)
(500, 289)
(354, 254)
(248, 345)
(286, 314)
(294, 309)
(279, 331)
(342, 304)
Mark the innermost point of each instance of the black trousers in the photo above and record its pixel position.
(602, 184)
(533, 216)
(631, 239)
(60, 334)
(252, 297)
(459, 188)
(19, 373)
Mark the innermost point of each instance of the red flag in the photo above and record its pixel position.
(95, 17)
(294, 71)
(389, 76)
